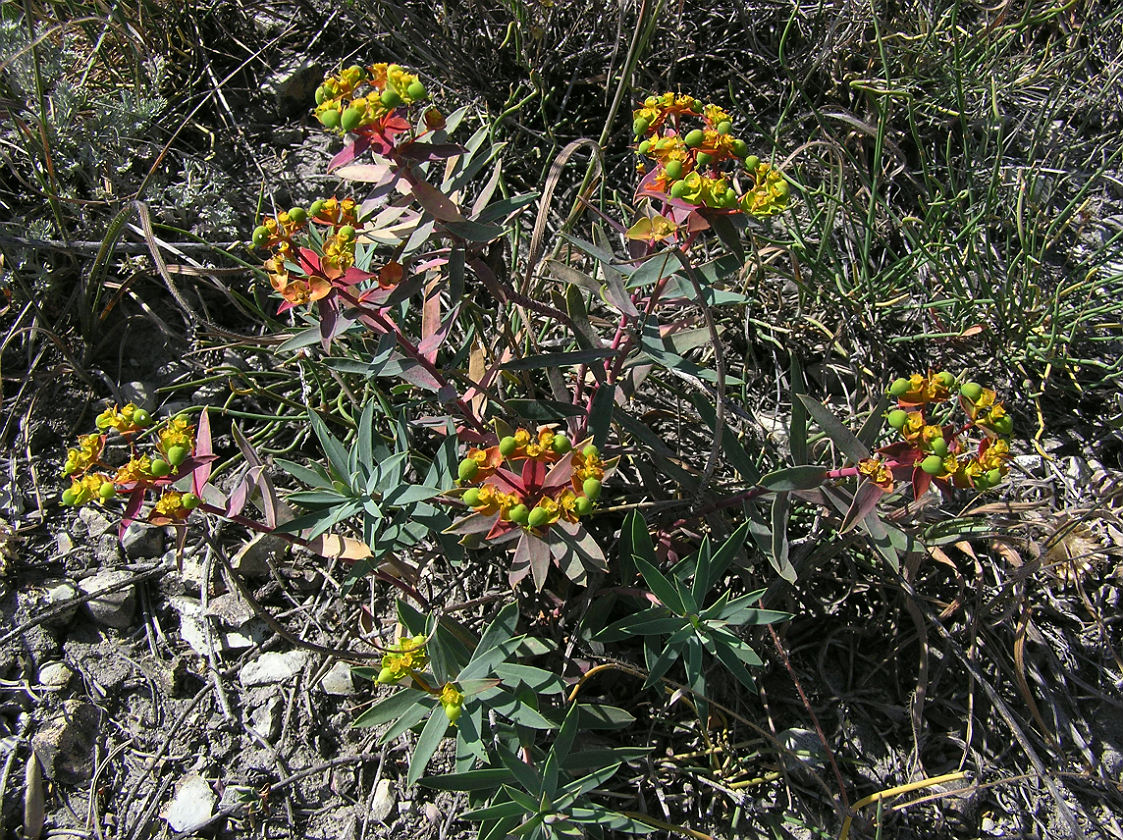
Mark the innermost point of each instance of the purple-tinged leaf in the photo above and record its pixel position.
(508, 482)
(533, 474)
(436, 203)
(560, 474)
(422, 152)
(473, 523)
(865, 501)
(132, 508)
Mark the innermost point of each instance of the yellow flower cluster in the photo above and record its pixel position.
(364, 96)
(85, 455)
(452, 701)
(402, 659)
(126, 421)
(692, 164)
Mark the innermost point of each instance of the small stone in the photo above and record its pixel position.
(141, 394)
(114, 609)
(142, 541)
(55, 676)
(231, 609)
(337, 682)
(63, 543)
(382, 803)
(93, 521)
(265, 719)
(56, 593)
(192, 805)
(272, 668)
(65, 747)
(193, 628)
(254, 558)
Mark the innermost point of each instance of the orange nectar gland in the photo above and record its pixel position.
(361, 96)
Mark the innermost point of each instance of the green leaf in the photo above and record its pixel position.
(561, 359)
(492, 812)
(842, 437)
(663, 589)
(522, 772)
(797, 436)
(546, 411)
(803, 477)
(410, 494)
(312, 477)
(338, 456)
(473, 780)
(474, 231)
(427, 743)
(392, 708)
(603, 716)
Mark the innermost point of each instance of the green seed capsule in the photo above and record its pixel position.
(260, 236)
(704, 159)
(160, 467)
(107, 491)
(390, 98)
(471, 497)
(69, 497)
(1004, 425)
(695, 138)
(591, 451)
(994, 477)
(673, 169)
(346, 233)
(724, 127)
(356, 71)
(582, 506)
(519, 514)
(591, 487)
(190, 501)
(141, 418)
(640, 126)
(900, 387)
(740, 148)
(315, 207)
(330, 118)
(679, 189)
(752, 162)
(298, 215)
(351, 119)
(945, 378)
(507, 446)
(971, 391)
(781, 188)
(933, 465)
(468, 469)
(644, 147)
(177, 455)
(538, 517)
(897, 418)
(561, 444)
(321, 95)
(416, 91)
(939, 446)
(697, 106)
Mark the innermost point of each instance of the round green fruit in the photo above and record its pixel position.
(141, 418)
(315, 207)
(107, 491)
(900, 387)
(782, 189)
(519, 514)
(939, 446)
(321, 95)
(471, 497)
(933, 465)
(561, 444)
(330, 118)
(582, 506)
(507, 446)
(538, 517)
(177, 455)
(298, 215)
(591, 487)
(260, 236)
(346, 233)
(994, 477)
(695, 138)
(416, 90)
(468, 469)
(1004, 425)
(640, 126)
(390, 98)
(673, 169)
(971, 391)
(752, 162)
(704, 159)
(160, 468)
(590, 451)
(69, 497)
(644, 147)
(740, 148)
(350, 119)
(724, 127)
(897, 418)
(190, 501)
(945, 378)
(679, 189)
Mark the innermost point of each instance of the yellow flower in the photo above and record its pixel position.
(84, 456)
(452, 700)
(401, 659)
